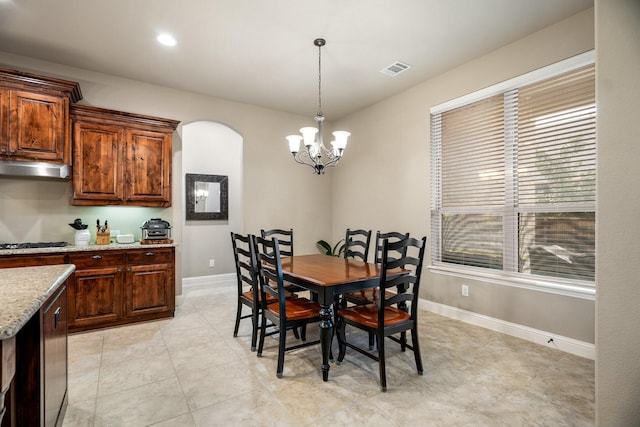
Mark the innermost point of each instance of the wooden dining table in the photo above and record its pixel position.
(328, 276)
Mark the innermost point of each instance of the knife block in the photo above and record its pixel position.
(103, 238)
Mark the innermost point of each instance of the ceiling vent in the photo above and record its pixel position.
(395, 69)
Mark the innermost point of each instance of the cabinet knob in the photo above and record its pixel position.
(150, 253)
(97, 257)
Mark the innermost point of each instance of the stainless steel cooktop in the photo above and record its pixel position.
(30, 245)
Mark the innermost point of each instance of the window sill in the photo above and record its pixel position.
(572, 288)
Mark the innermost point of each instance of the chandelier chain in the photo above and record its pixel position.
(319, 79)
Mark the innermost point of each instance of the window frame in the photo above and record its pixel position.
(509, 274)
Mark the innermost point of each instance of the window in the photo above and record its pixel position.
(513, 176)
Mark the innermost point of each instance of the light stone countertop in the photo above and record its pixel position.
(23, 290)
(74, 248)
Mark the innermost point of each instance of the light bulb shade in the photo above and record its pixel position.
(294, 143)
(309, 135)
(340, 136)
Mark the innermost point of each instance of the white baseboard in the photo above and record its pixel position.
(218, 280)
(568, 345)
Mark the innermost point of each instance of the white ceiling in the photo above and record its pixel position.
(261, 52)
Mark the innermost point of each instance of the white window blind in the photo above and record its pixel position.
(514, 179)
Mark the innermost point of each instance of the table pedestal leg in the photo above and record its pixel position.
(326, 331)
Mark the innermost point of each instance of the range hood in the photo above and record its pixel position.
(34, 169)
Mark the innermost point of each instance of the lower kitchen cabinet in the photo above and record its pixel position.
(112, 288)
(95, 296)
(149, 283)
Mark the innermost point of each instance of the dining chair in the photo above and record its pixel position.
(286, 313)
(356, 244)
(384, 319)
(247, 272)
(369, 296)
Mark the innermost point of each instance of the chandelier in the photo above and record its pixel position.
(315, 153)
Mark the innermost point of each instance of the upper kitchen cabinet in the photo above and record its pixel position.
(34, 117)
(120, 158)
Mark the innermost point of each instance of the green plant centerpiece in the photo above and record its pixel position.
(327, 249)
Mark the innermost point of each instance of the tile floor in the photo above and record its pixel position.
(190, 371)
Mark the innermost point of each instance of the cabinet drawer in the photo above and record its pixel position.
(150, 256)
(96, 259)
(31, 260)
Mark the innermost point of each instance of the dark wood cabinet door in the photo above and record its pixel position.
(38, 127)
(97, 163)
(54, 334)
(148, 168)
(95, 297)
(149, 287)
(4, 122)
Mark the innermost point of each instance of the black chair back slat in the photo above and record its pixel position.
(392, 236)
(245, 261)
(270, 268)
(356, 244)
(285, 239)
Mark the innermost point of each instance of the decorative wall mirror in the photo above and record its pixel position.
(207, 197)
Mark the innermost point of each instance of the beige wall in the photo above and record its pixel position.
(212, 149)
(385, 176)
(618, 206)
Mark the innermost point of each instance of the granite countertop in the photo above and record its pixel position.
(23, 290)
(74, 248)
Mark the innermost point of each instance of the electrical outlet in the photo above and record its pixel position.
(212, 263)
(465, 290)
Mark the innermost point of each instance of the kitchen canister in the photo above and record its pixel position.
(82, 238)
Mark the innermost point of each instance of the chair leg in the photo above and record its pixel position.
(342, 338)
(263, 329)
(416, 348)
(403, 341)
(254, 329)
(303, 332)
(381, 362)
(295, 333)
(238, 315)
(372, 340)
(281, 349)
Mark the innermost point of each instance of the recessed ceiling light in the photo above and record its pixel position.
(167, 40)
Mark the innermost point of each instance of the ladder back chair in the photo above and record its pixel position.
(285, 313)
(245, 257)
(369, 296)
(285, 242)
(384, 318)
